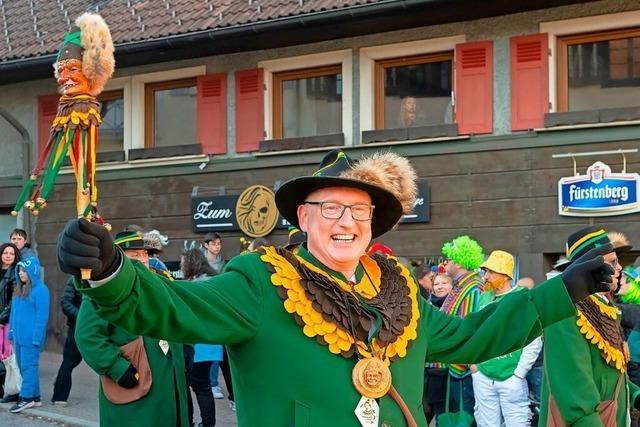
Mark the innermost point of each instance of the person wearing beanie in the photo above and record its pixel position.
(500, 384)
(327, 336)
(586, 357)
(146, 391)
(28, 329)
(463, 257)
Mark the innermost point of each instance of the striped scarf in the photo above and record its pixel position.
(464, 299)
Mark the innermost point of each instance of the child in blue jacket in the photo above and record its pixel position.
(28, 329)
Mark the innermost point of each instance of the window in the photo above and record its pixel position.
(599, 70)
(170, 113)
(413, 91)
(111, 130)
(7, 221)
(307, 102)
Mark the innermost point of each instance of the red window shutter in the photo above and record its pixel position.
(474, 87)
(47, 109)
(529, 81)
(249, 109)
(212, 113)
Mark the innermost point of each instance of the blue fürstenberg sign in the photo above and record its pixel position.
(599, 193)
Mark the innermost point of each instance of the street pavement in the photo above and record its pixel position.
(82, 409)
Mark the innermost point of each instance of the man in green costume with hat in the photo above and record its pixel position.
(328, 336)
(100, 342)
(586, 356)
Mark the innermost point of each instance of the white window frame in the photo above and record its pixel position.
(343, 57)
(572, 26)
(369, 56)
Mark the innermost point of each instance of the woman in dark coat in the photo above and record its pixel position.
(9, 256)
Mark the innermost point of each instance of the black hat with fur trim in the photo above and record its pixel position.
(388, 178)
(589, 238)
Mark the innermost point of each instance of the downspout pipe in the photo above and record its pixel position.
(24, 220)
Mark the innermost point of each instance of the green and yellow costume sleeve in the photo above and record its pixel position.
(228, 309)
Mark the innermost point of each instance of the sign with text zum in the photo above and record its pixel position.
(220, 213)
(599, 193)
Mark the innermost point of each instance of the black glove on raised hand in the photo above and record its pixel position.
(84, 244)
(130, 378)
(589, 274)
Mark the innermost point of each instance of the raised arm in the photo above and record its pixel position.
(482, 335)
(225, 309)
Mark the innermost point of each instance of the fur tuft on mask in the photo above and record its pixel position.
(98, 62)
(389, 171)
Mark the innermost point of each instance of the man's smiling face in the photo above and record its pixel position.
(337, 243)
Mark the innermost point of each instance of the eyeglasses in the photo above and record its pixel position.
(334, 210)
(613, 263)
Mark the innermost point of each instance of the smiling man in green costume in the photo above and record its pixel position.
(329, 335)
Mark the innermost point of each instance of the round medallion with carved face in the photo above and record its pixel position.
(256, 211)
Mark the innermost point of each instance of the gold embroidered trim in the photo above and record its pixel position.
(608, 310)
(339, 340)
(612, 355)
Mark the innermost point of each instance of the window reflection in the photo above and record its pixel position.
(310, 105)
(604, 74)
(111, 130)
(175, 116)
(417, 94)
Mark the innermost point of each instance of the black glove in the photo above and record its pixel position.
(589, 274)
(84, 244)
(130, 378)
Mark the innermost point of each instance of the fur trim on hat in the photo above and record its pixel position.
(391, 172)
(618, 239)
(155, 240)
(97, 60)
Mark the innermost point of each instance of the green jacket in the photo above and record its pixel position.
(579, 378)
(283, 378)
(99, 342)
(502, 367)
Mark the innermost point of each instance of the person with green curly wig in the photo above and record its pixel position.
(628, 302)
(463, 258)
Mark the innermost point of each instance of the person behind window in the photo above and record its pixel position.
(28, 330)
(409, 114)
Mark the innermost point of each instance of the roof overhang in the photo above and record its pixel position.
(309, 28)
